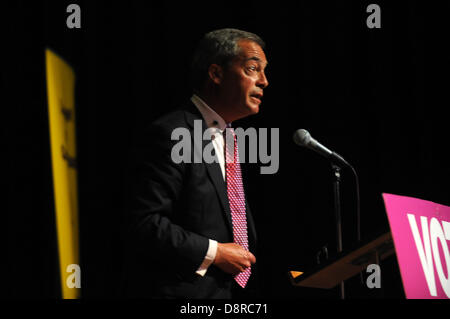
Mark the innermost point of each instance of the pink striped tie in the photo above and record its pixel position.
(235, 191)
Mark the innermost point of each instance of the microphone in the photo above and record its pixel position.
(303, 138)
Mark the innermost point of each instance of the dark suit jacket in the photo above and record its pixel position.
(175, 209)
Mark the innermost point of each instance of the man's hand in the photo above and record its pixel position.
(232, 258)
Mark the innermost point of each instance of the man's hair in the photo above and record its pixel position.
(218, 47)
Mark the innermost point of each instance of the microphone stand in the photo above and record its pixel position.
(337, 212)
(303, 138)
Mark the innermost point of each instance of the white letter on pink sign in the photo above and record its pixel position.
(425, 255)
(437, 232)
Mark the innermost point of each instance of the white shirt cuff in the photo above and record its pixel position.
(209, 258)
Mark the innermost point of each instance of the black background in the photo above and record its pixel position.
(376, 96)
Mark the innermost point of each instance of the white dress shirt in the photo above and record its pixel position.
(217, 126)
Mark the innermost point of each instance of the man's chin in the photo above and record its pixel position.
(250, 109)
(253, 108)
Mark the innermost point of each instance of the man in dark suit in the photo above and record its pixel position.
(191, 233)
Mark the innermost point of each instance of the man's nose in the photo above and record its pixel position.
(262, 81)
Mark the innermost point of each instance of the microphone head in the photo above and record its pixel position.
(302, 137)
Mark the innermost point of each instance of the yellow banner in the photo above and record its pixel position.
(61, 111)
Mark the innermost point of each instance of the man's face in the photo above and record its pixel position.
(244, 80)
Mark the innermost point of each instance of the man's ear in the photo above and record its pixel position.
(215, 73)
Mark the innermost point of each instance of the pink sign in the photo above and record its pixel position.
(420, 230)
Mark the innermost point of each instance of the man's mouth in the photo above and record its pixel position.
(257, 96)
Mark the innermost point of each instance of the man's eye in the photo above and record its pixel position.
(252, 68)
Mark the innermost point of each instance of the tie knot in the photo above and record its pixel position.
(229, 130)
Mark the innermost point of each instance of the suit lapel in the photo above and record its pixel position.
(215, 173)
(213, 169)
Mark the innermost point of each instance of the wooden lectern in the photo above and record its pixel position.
(346, 264)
